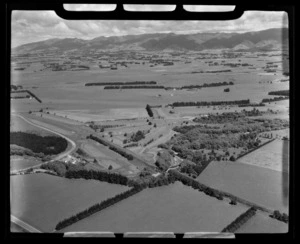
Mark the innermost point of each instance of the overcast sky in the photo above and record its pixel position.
(32, 26)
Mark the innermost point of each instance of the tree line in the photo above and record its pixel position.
(30, 93)
(240, 220)
(111, 147)
(275, 99)
(122, 83)
(214, 84)
(47, 145)
(212, 103)
(280, 93)
(149, 110)
(97, 207)
(134, 87)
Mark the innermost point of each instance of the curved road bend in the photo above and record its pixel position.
(24, 225)
(58, 156)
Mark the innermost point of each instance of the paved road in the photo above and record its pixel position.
(58, 156)
(24, 225)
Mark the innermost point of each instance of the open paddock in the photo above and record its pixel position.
(262, 186)
(274, 155)
(43, 200)
(178, 209)
(102, 115)
(17, 162)
(19, 124)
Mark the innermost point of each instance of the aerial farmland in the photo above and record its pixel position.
(136, 137)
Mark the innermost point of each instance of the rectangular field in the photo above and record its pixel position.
(43, 200)
(274, 155)
(175, 208)
(102, 115)
(265, 187)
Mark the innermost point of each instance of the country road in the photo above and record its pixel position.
(24, 225)
(58, 156)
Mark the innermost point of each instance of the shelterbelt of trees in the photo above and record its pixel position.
(212, 103)
(29, 92)
(97, 207)
(208, 85)
(240, 220)
(280, 93)
(134, 87)
(122, 83)
(275, 99)
(47, 145)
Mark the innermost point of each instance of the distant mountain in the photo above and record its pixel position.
(259, 40)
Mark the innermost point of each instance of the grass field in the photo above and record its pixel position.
(18, 124)
(274, 155)
(43, 200)
(176, 208)
(262, 223)
(265, 187)
(17, 163)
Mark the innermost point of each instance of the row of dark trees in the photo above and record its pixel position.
(280, 93)
(122, 83)
(239, 221)
(20, 97)
(275, 99)
(149, 110)
(214, 84)
(111, 147)
(47, 145)
(252, 105)
(134, 87)
(196, 185)
(97, 207)
(30, 93)
(212, 103)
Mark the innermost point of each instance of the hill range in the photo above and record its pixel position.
(265, 40)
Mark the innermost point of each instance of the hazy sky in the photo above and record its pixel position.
(32, 26)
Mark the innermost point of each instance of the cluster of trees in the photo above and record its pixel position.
(275, 99)
(97, 207)
(214, 84)
(239, 221)
(58, 167)
(111, 147)
(280, 93)
(149, 110)
(122, 83)
(139, 135)
(212, 103)
(163, 160)
(193, 169)
(280, 216)
(135, 87)
(47, 145)
(14, 87)
(27, 152)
